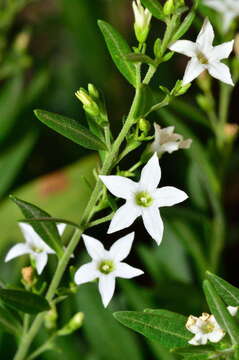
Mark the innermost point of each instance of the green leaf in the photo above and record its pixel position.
(24, 301)
(50, 220)
(228, 292)
(71, 129)
(164, 326)
(219, 310)
(46, 230)
(118, 49)
(183, 28)
(8, 321)
(195, 352)
(139, 58)
(155, 8)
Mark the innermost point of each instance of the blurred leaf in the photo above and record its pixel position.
(219, 310)
(12, 159)
(24, 301)
(8, 321)
(155, 8)
(107, 338)
(164, 326)
(36, 86)
(46, 230)
(118, 49)
(228, 292)
(71, 129)
(195, 352)
(10, 102)
(197, 187)
(189, 111)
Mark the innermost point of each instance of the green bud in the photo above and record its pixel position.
(203, 102)
(93, 92)
(157, 48)
(22, 41)
(168, 8)
(89, 105)
(180, 89)
(51, 318)
(179, 3)
(74, 324)
(144, 125)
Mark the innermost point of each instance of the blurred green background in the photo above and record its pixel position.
(48, 49)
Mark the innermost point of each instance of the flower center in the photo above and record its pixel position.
(207, 328)
(106, 266)
(36, 249)
(144, 199)
(202, 58)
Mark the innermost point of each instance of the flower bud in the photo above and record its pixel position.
(28, 275)
(74, 324)
(93, 92)
(22, 40)
(168, 8)
(89, 104)
(51, 318)
(144, 125)
(231, 131)
(142, 21)
(157, 47)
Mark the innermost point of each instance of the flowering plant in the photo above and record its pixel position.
(37, 303)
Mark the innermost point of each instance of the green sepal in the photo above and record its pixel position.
(46, 230)
(24, 301)
(228, 292)
(118, 49)
(71, 129)
(219, 310)
(163, 326)
(155, 8)
(183, 28)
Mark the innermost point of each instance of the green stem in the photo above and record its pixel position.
(46, 346)
(100, 221)
(109, 160)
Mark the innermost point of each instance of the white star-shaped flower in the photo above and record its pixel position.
(229, 10)
(166, 140)
(33, 246)
(205, 328)
(205, 56)
(106, 265)
(142, 199)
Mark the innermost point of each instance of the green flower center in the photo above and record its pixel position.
(202, 58)
(207, 328)
(106, 267)
(144, 199)
(37, 250)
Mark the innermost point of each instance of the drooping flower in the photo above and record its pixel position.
(142, 21)
(106, 265)
(205, 56)
(165, 140)
(205, 328)
(34, 246)
(229, 10)
(142, 199)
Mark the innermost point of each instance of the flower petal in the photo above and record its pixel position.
(126, 271)
(198, 339)
(184, 47)
(61, 228)
(86, 273)
(193, 70)
(94, 247)
(206, 36)
(17, 250)
(41, 261)
(124, 217)
(228, 17)
(151, 174)
(217, 5)
(153, 223)
(121, 248)
(222, 51)
(232, 310)
(106, 288)
(169, 196)
(216, 335)
(119, 186)
(221, 72)
(33, 239)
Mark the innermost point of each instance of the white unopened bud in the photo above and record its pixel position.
(89, 104)
(142, 21)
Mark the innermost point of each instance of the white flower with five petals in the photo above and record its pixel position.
(34, 246)
(205, 56)
(205, 328)
(229, 10)
(142, 199)
(106, 265)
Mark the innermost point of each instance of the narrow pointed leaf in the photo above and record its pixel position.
(118, 49)
(163, 326)
(46, 230)
(183, 28)
(8, 322)
(71, 129)
(24, 301)
(219, 310)
(155, 8)
(228, 292)
(50, 220)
